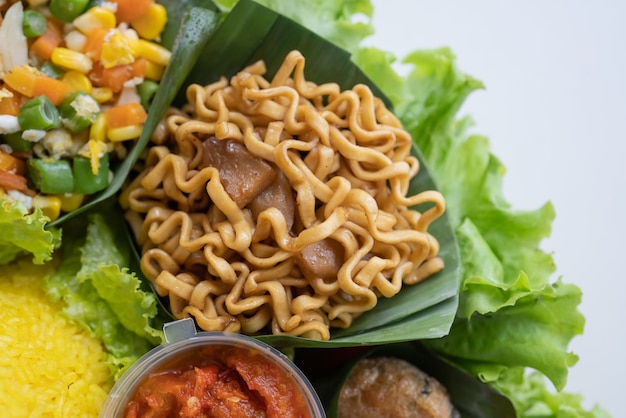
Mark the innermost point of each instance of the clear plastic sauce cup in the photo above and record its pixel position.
(184, 344)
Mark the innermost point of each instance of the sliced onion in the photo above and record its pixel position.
(13, 44)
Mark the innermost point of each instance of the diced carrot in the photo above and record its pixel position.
(114, 77)
(128, 10)
(125, 115)
(138, 68)
(12, 164)
(11, 105)
(45, 44)
(54, 89)
(94, 42)
(30, 82)
(12, 181)
(22, 78)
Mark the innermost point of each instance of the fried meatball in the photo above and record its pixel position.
(381, 387)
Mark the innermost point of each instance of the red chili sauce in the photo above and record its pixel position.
(219, 381)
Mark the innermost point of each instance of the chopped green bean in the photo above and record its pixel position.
(146, 91)
(51, 70)
(78, 111)
(49, 176)
(85, 181)
(16, 142)
(33, 23)
(67, 10)
(38, 113)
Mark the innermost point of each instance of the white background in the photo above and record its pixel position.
(554, 109)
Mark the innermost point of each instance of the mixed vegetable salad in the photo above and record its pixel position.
(511, 324)
(77, 79)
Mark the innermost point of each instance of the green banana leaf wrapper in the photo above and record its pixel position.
(205, 49)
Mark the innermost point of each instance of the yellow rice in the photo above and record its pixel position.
(49, 367)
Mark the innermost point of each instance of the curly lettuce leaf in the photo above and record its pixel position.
(23, 233)
(486, 286)
(470, 178)
(500, 245)
(103, 256)
(532, 333)
(102, 295)
(529, 394)
(511, 316)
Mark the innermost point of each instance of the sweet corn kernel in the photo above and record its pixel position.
(50, 206)
(70, 201)
(153, 52)
(124, 133)
(75, 40)
(154, 71)
(77, 82)
(95, 18)
(98, 129)
(2, 193)
(71, 60)
(102, 94)
(150, 25)
(117, 50)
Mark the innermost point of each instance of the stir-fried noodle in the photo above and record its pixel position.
(280, 206)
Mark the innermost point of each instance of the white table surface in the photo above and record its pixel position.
(554, 109)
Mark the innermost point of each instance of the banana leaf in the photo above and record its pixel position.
(251, 32)
(471, 397)
(203, 53)
(178, 22)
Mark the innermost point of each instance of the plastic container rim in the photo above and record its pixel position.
(126, 384)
